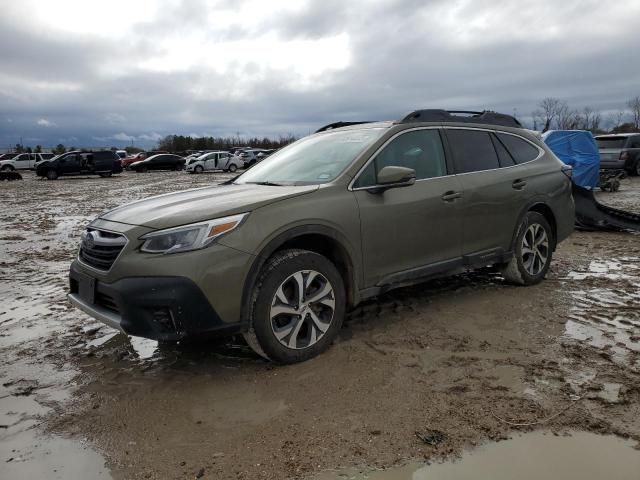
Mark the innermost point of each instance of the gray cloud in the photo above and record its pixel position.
(101, 89)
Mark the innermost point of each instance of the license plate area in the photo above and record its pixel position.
(86, 287)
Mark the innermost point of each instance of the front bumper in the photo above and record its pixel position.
(160, 308)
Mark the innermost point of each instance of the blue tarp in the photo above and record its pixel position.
(579, 149)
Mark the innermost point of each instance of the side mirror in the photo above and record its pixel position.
(394, 177)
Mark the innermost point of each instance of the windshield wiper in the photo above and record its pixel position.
(268, 183)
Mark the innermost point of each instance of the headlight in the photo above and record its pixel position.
(189, 237)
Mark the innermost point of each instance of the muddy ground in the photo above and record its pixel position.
(425, 372)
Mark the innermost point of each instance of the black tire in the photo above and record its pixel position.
(198, 169)
(52, 174)
(106, 174)
(634, 171)
(281, 266)
(232, 168)
(142, 170)
(7, 168)
(521, 269)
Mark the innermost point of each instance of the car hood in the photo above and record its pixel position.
(190, 206)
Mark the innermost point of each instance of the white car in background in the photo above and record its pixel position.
(214, 161)
(251, 156)
(24, 161)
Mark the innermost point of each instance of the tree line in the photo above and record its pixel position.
(556, 114)
(182, 143)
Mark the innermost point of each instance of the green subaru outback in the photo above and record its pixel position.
(283, 251)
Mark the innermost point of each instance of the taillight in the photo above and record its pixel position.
(624, 156)
(567, 170)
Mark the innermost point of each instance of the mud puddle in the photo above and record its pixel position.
(31, 455)
(574, 456)
(26, 450)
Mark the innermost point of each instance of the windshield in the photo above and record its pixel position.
(611, 142)
(312, 160)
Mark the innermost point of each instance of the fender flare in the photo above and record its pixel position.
(523, 212)
(354, 270)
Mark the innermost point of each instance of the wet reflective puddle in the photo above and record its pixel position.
(533, 456)
(606, 306)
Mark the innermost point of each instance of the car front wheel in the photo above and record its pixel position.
(7, 168)
(298, 306)
(232, 168)
(531, 252)
(52, 174)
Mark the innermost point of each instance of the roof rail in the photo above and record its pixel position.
(331, 126)
(462, 116)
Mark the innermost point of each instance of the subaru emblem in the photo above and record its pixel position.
(89, 240)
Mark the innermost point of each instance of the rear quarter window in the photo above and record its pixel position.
(521, 150)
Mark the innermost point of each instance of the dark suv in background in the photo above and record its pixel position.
(620, 152)
(281, 252)
(103, 163)
(163, 161)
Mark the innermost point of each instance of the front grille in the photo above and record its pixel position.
(100, 249)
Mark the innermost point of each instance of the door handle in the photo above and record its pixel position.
(519, 184)
(450, 196)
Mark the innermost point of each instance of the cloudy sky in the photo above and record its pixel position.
(89, 73)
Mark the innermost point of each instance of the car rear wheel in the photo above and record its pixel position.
(198, 169)
(106, 174)
(635, 170)
(298, 306)
(532, 251)
(232, 168)
(52, 174)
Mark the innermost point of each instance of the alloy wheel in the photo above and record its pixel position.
(535, 249)
(302, 309)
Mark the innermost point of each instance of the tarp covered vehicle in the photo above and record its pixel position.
(579, 149)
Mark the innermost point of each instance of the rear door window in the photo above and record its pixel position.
(472, 150)
(521, 150)
(505, 158)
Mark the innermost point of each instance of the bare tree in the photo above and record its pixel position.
(589, 119)
(634, 105)
(566, 119)
(548, 111)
